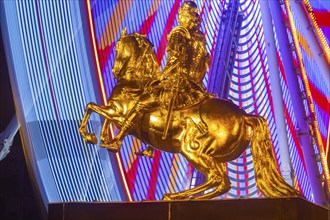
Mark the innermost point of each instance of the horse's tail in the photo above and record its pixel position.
(268, 179)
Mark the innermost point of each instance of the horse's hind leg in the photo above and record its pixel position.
(220, 189)
(190, 192)
(214, 171)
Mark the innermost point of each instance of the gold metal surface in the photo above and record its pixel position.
(170, 110)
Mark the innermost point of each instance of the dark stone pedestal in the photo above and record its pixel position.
(265, 208)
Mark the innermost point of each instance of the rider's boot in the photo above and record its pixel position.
(115, 144)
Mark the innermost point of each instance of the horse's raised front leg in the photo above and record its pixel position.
(91, 107)
(104, 137)
(88, 137)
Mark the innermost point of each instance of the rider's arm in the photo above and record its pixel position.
(176, 49)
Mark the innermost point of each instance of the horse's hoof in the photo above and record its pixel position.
(104, 139)
(171, 196)
(91, 138)
(110, 146)
(167, 197)
(113, 150)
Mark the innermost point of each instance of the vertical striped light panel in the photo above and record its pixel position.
(53, 78)
(250, 89)
(317, 87)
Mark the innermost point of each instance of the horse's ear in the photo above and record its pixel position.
(123, 32)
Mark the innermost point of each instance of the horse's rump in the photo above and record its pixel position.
(228, 134)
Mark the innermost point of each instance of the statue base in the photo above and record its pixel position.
(257, 208)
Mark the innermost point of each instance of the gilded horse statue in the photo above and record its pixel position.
(208, 134)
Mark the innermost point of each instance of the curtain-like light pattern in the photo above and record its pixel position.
(52, 81)
(250, 89)
(321, 11)
(49, 50)
(314, 89)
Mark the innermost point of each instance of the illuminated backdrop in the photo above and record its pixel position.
(60, 55)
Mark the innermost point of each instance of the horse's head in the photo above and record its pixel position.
(135, 60)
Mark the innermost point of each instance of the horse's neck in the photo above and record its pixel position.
(123, 97)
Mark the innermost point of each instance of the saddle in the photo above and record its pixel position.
(185, 95)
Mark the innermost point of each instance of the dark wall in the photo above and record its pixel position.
(17, 200)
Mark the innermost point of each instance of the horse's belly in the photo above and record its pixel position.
(152, 131)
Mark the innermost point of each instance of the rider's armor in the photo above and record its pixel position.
(186, 66)
(200, 58)
(187, 50)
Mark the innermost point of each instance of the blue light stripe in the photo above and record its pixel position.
(76, 172)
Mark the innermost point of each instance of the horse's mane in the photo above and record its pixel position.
(146, 66)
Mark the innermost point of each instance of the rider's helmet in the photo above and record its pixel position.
(189, 16)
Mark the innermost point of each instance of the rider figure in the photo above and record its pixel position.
(186, 66)
(187, 46)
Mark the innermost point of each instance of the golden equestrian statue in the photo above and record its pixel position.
(171, 111)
